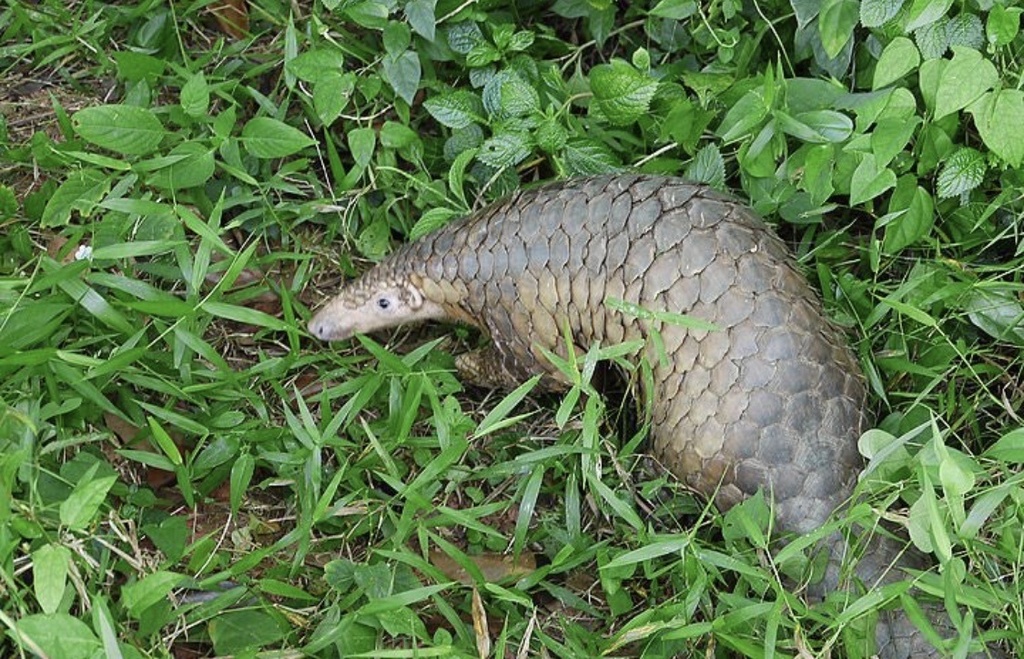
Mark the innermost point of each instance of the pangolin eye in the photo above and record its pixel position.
(383, 303)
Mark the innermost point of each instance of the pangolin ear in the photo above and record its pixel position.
(413, 296)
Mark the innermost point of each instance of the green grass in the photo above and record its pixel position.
(183, 470)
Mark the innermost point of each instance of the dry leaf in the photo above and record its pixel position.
(232, 17)
(483, 636)
(494, 567)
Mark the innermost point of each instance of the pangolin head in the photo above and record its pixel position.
(377, 300)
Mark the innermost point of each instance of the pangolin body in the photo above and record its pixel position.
(770, 399)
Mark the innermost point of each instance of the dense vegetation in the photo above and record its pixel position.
(184, 471)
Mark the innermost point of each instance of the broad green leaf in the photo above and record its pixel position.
(962, 172)
(890, 137)
(82, 506)
(836, 23)
(243, 631)
(457, 109)
(422, 17)
(746, 115)
(397, 38)
(265, 137)
(331, 94)
(999, 116)
(195, 96)
(622, 93)
(916, 218)
(403, 74)
(361, 143)
(875, 13)
(370, 14)
(675, 10)
(80, 192)
(125, 129)
(58, 635)
(140, 595)
(870, 180)
(317, 64)
(997, 312)
(1009, 447)
(967, 76)
(825, 126)
(1003, 24)
(194, 168)
(50, 575)
(898, 59)
(923, 12)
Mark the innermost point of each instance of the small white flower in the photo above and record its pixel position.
(83, 253)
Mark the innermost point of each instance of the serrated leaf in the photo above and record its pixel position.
(122, 128)
(265, 137)
(932, 40)
(80, 192)
(924, 12)
(965, 30)
(621, 92)
(836, 23)
(966, 77)
(431, 221)
(962, 172)
(875, 13)
(463, 36)
(508, 95)
(504, 150)
(457, 109)
(898, 59)
(999, 116)
(708, 167)
(403, 74)
(422, 17)
(870, 180)
(584, 156)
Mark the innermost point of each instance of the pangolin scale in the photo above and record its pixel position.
(772, 398)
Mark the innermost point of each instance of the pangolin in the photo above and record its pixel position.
(771, 398)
